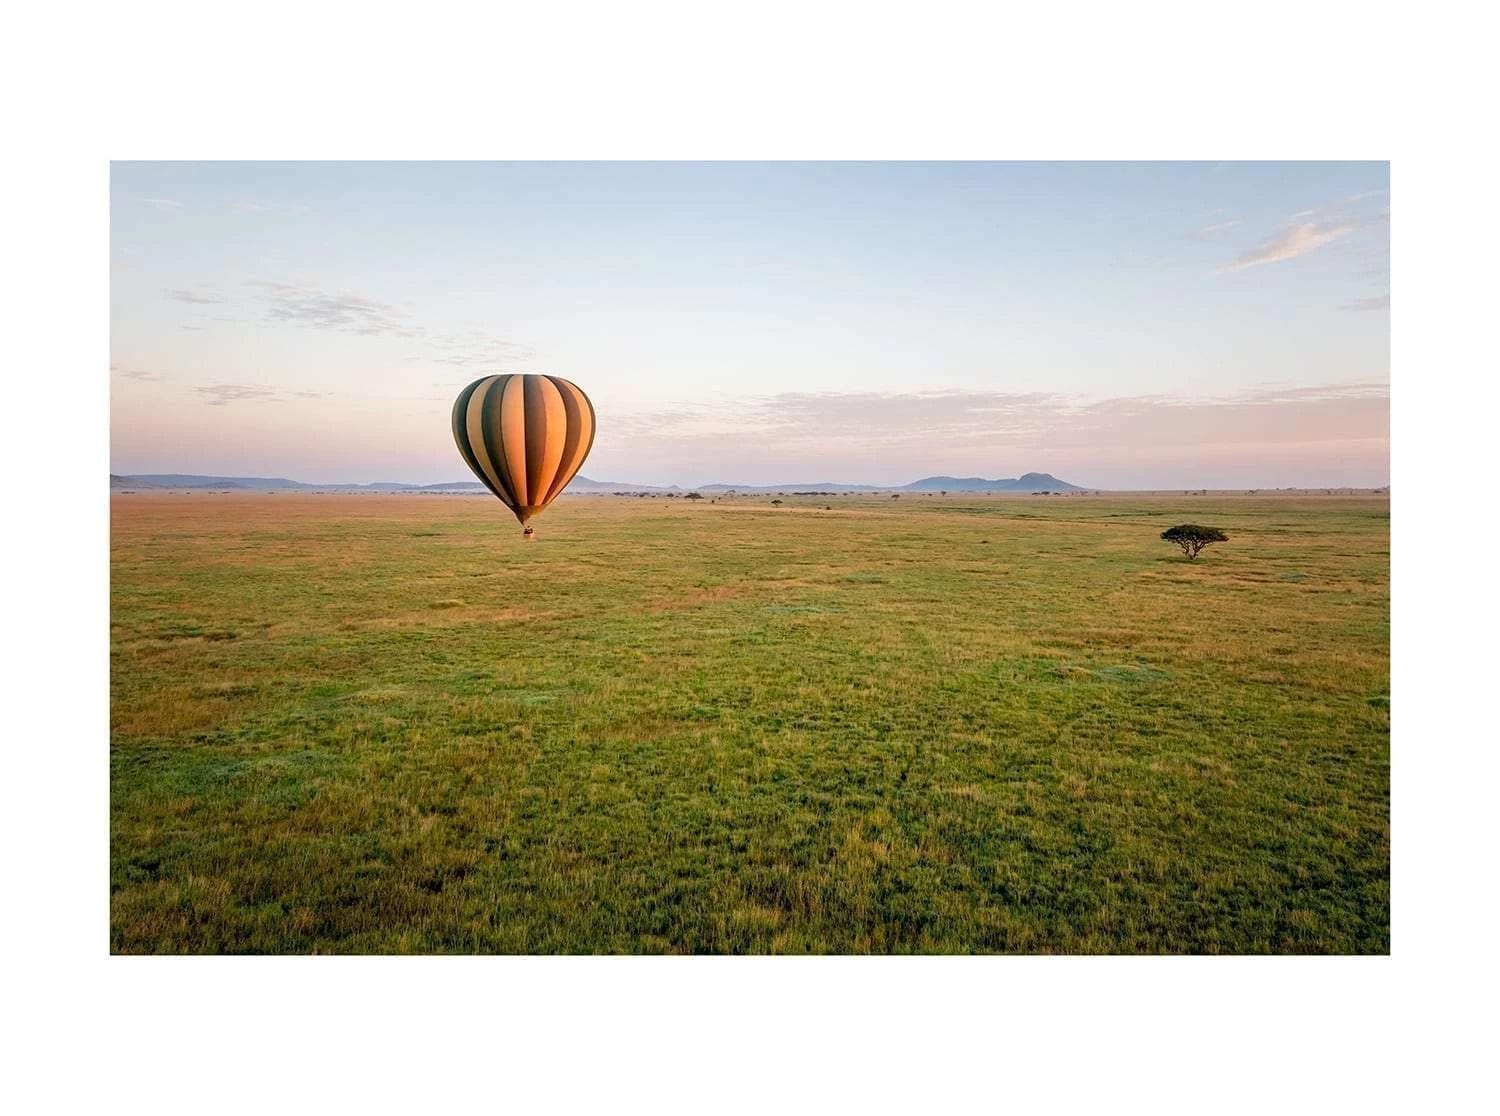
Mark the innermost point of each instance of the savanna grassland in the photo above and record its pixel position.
(945, 724)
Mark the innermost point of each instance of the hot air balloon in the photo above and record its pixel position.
(524, 436)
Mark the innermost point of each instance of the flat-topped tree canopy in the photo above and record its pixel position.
(1193, 537)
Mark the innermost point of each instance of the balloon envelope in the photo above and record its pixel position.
(524, 436)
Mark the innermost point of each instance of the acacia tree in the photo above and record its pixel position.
(1193, 538)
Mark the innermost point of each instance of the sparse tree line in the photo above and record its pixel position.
(1191, 537)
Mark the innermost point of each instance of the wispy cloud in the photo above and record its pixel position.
(1374, 302)
(1309, 230)
(200, 295)
(132, 373)
(221, 394)
(313, 307)
(1297, 239)
(347, 312)
(974, 427)
(161, 203)
(343, 313)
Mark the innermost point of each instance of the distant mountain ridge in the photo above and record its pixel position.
(275, 484)
(1027, 482)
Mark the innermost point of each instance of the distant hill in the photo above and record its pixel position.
(278, 484)
(1026, 482)
(582, 483)
(189, 480)
(1029, 482)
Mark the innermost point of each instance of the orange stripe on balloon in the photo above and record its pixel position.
(494, 440)
(580, 435)
(512, 428)
(550, 434)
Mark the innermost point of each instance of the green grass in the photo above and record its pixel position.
(386, 724)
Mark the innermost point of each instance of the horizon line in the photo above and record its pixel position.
(769, 485)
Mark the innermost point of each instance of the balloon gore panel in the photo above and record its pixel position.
(524, 436)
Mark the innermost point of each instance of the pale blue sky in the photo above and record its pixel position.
(1123, 325)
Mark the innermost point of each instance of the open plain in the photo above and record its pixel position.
(955, 723)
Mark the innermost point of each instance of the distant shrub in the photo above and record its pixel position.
(1193, 538)
(776, 503)
(693, 496)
